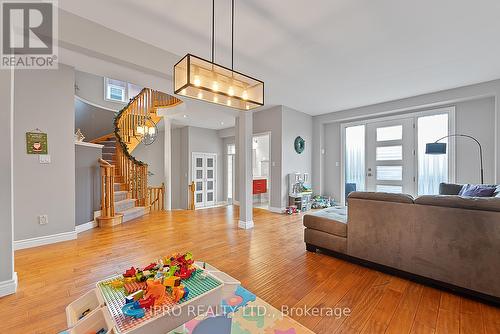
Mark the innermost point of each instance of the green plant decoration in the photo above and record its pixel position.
(300, 145)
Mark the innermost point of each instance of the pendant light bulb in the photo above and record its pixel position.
(200, 95)
(197, 81)
(244, 95)
(215, 86)
(230, 91)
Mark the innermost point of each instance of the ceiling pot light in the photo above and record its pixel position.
(206, 80)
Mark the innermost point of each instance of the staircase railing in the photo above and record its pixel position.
(156, 198)
(136, 113)
(108, 216)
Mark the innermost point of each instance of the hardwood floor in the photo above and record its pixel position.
(269, 260)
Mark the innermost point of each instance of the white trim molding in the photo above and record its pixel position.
(245, 225)
(8, 287)
(85, 227)
(237, 203)
(276, 210)
(45, 240)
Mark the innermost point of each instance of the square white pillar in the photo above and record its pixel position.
(245, 177)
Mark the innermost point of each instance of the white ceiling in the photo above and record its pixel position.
(324, 55)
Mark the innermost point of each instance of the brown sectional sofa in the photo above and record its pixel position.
(446, 240)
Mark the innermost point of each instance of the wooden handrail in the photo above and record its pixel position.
(156, 198)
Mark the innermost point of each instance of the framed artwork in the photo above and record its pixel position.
(36, 143)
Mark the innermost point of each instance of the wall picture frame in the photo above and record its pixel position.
(36, 143)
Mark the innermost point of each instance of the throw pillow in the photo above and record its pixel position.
(477, 190)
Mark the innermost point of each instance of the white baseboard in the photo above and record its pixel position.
(245, 225)
(8, 287)
(236, 203)
(276, 210)
(85, 227)
(45, 240)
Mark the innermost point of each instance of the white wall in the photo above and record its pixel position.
(44, 188)
(6, 199)
(474, 117)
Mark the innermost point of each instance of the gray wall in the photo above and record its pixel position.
(44, 188)
(91, 88)
(185, 141)
(207, 141)
(94, 122)
(87, 183)
(426, 101)
(154, 156)
(6, 213)
(270, 120)
(295, 123)
(474, 117)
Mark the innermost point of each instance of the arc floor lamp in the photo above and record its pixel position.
(440, 148)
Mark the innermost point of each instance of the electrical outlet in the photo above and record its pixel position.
(43, 219)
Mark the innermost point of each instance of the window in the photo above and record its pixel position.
(390, 133)
(390, 173)
(432, 169)
(119, 91)
(386, 153)
(355, 158)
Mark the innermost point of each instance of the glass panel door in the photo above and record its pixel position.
(199, 180)
(210, 180)
(204, 177)
(390, 156)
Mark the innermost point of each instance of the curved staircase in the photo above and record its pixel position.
(125, 194)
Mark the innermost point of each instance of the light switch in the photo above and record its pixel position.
(44, 158)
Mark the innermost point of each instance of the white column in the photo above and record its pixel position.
(8, 278)
(168, 163)
(245, 178)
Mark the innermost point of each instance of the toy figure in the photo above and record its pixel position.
(147, 302)
(157, 290)
(130, 272)
(133, 310)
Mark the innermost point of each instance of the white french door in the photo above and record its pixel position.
(204, 177)
(390, 156)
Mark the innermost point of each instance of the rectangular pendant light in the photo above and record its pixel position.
(201, 79)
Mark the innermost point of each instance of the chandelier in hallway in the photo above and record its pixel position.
(205, 80)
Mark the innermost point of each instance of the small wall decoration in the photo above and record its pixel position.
(36, 143)
(79, 135)
(300, 145)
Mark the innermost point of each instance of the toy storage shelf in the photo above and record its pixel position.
(204, 291)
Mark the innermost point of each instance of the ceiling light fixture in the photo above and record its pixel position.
(205, 80)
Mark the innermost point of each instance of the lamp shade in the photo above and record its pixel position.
(435, 148)
(203, 80)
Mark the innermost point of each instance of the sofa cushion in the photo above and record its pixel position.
(330, 220)
(471, 203)
(477, 190)
(379, 196)
(449, 188)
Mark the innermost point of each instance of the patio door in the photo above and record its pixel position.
(390, 156)
(204, 177)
